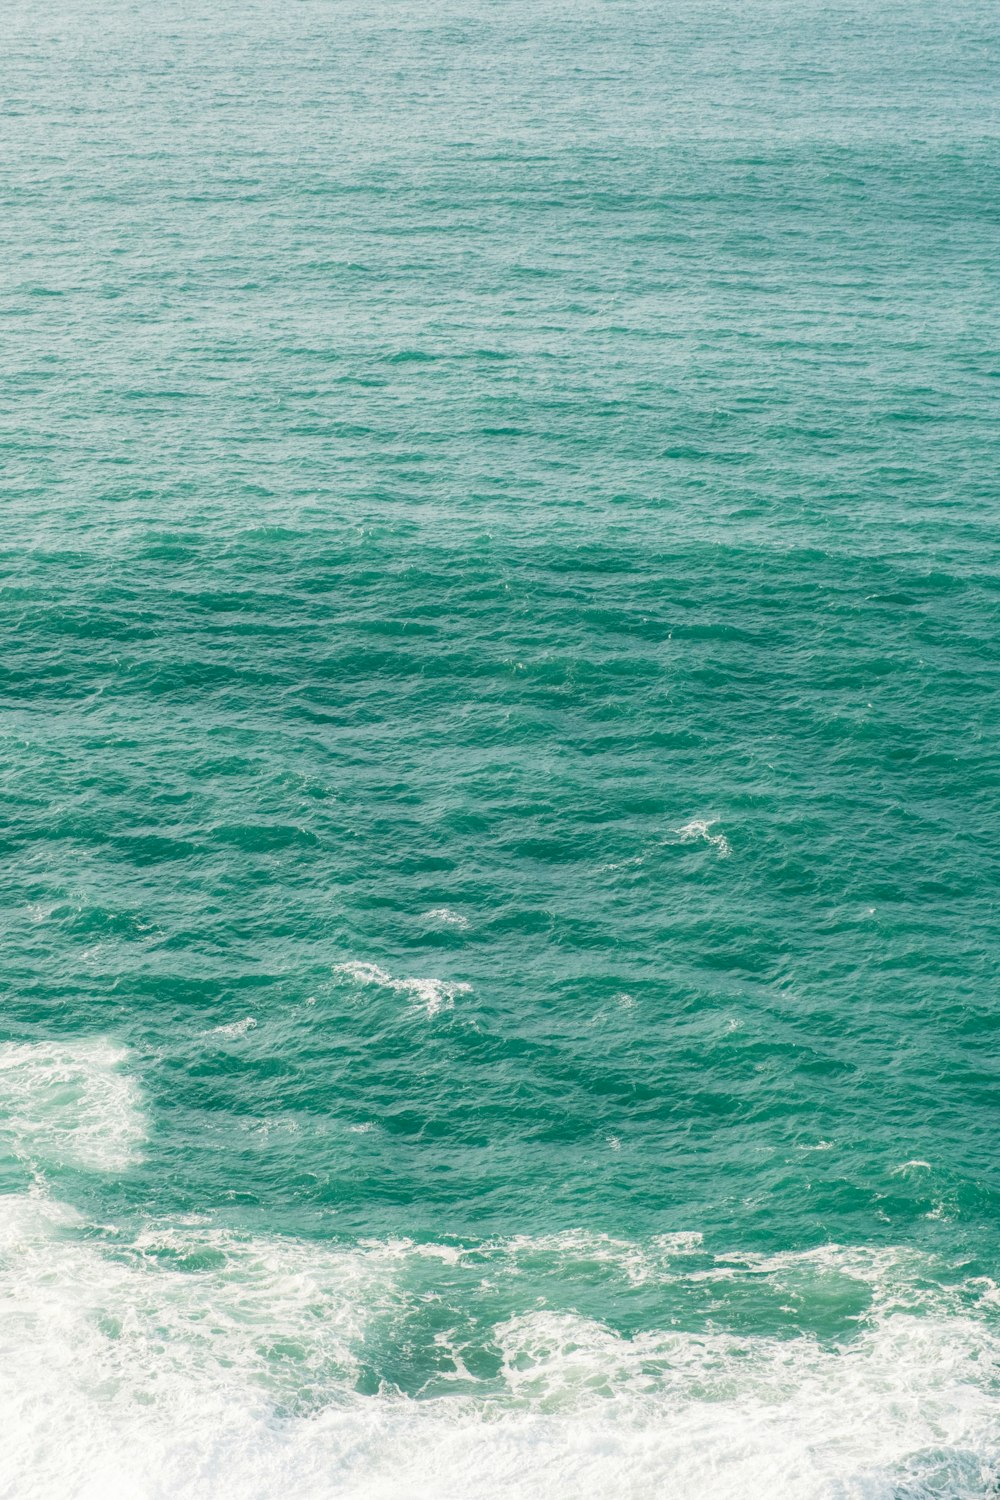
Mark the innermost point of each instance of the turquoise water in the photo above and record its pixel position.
(500, 619)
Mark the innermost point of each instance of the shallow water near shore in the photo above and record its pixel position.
(500, 760)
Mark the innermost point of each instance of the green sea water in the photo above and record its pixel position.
(499, 750)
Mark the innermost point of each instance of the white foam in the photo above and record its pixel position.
(700, 828)
(235, 1029)
(578, 1251)
(70, 1103)
(446, 917)
(624, 864)
(434, 995)
(192, 1363)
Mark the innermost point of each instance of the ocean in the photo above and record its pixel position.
(500, 606)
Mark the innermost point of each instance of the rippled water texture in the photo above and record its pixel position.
(499, 775)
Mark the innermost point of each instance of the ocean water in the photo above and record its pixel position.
(500, 676)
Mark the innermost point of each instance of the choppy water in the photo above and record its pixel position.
(500, 622)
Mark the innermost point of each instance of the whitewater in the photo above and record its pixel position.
(191, 1360)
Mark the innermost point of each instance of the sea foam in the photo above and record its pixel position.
(701, 828)
(432, 995)
(192, 1362)
(70, 1103)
